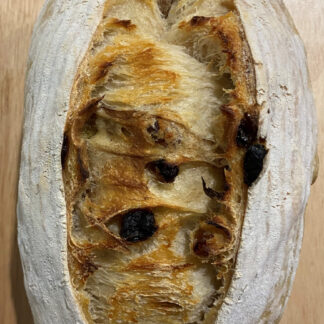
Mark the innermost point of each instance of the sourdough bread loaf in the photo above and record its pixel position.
(168, 153)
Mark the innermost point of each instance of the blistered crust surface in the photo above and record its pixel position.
(152, 133)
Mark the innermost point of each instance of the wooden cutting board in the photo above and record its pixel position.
(306, 305)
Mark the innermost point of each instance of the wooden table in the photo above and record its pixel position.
(306, 305)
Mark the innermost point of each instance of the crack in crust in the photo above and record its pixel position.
(139, 99)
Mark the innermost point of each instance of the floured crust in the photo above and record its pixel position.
(138, 98)
(271, 235)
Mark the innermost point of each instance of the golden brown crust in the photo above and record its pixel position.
(111, 141)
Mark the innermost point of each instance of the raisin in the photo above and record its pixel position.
(247, 130)
(253, 163)
(138, 225)
(165, 172)
(65, 149)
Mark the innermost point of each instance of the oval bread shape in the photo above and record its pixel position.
(174, 111)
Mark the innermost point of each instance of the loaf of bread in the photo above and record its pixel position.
(168, 153)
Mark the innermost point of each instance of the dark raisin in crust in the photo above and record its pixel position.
(164, 171)
(138, 225)
(253, 163)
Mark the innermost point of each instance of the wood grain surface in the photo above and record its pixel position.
(16, 20)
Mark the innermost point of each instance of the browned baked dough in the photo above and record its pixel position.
(159, 124)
